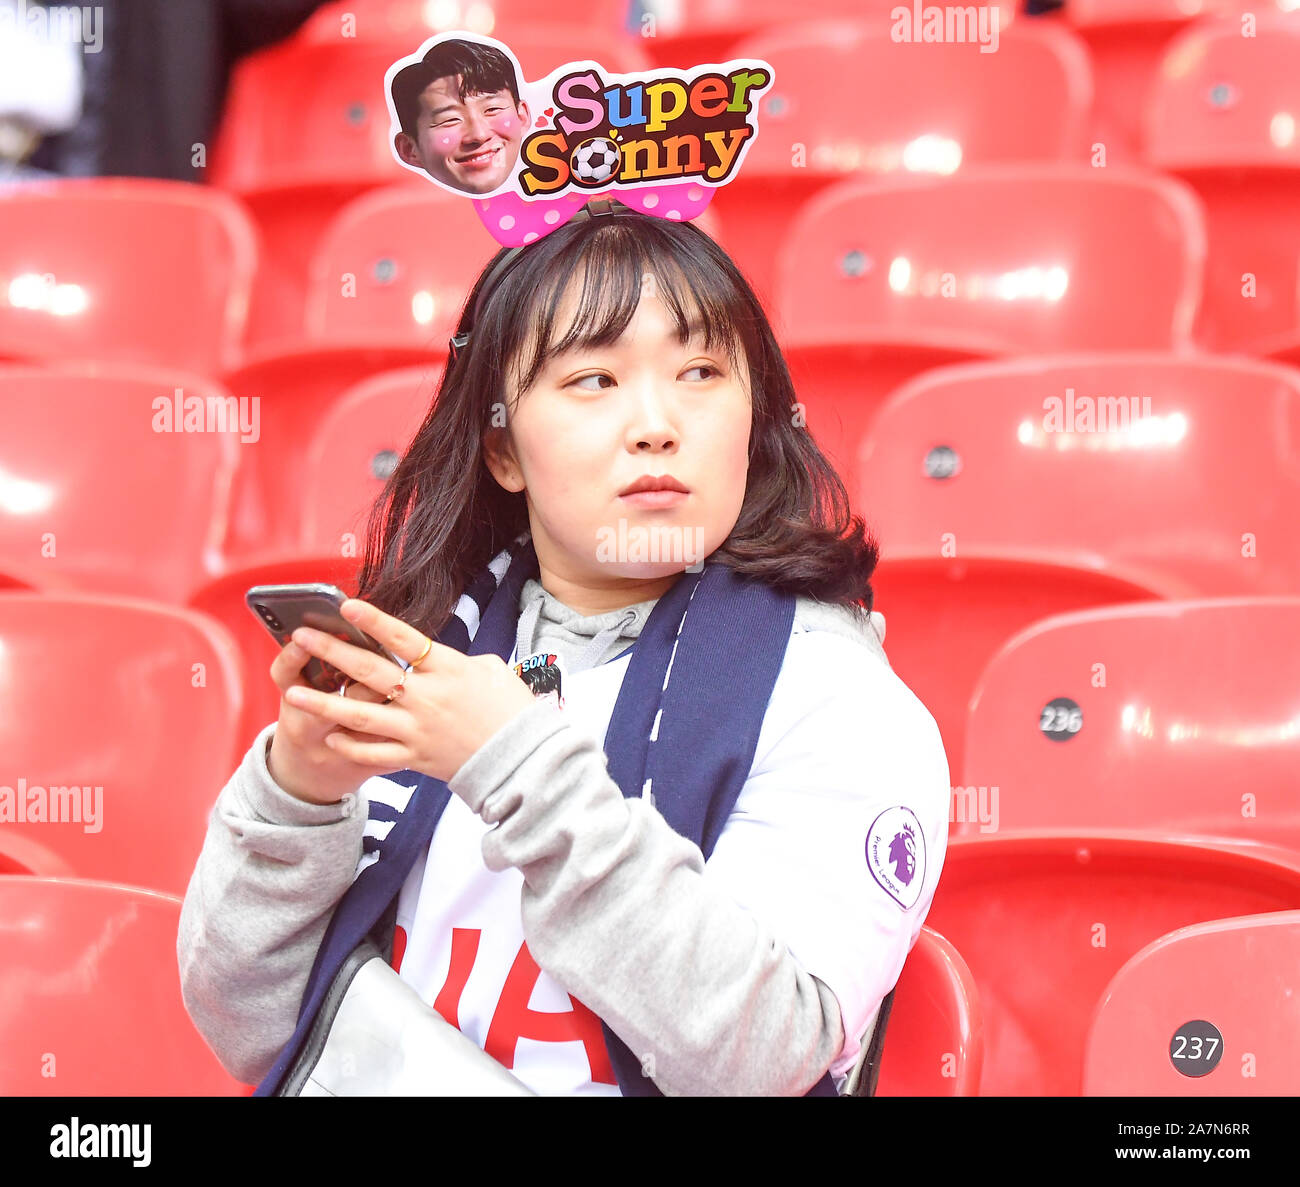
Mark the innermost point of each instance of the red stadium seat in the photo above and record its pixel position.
(301, 384)
(678, 34)
(124, 270)
(357, 446)
(393, 272)
(880, 280)
(948, 616)
(1045, 920)
(418, 20)
(1222, 117)
(223, 601)
(386, 293)
(1188, 496)
(150, 742)
(92, 998)
(307, 129)
(330, 480)
(1239, 975)
(1126, 41)
(394, 269)
(934, 1042)
(106, 482)
(1175, 717)
(932, 108)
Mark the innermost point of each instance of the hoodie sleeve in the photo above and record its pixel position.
(270, 873)
(696, 968)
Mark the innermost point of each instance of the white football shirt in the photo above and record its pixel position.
(836, 841)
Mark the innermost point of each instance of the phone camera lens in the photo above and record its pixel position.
(271, 619)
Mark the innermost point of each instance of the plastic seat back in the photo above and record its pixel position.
(91, 995)
(394, 269)
(124, 270)
(880, 280)
(416, 21)
(1238, 975)
(329, 481)
(1178, 717)
(1221, 116)
(115, 478)
(1010, 259)
(917, 108)
(934, 1042)
(1176, 473)
(112, 777)
(1044, 920)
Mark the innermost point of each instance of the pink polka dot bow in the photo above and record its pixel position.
(513, 221)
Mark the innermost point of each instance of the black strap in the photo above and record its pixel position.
(875, 1049)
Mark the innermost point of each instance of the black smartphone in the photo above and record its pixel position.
(282, 609)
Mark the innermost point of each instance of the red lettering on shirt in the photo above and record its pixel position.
(514, 1019)
(464, 947)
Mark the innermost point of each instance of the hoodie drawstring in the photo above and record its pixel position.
(590, 654)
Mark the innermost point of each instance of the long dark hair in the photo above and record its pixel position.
(443, 516)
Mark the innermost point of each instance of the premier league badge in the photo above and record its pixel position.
(896, 855)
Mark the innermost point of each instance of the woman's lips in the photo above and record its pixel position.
(481, 161)
(653, 499)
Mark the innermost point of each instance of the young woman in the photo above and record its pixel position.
(555, 915)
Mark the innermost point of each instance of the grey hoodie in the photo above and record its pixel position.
(273, 867)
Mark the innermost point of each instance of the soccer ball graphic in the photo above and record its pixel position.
(595, 160)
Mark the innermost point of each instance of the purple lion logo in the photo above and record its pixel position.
(902, 852)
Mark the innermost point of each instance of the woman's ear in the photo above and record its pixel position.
(499, 456)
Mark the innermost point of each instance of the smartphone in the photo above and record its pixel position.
(282, 609)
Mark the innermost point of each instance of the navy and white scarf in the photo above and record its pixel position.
(710, 651)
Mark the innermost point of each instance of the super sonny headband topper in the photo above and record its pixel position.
(530, 154)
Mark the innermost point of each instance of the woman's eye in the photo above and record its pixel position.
(584, 378)
(699, 367)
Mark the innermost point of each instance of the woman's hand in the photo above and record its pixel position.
(451, 705)
(298, 759)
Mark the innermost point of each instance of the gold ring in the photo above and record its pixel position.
(428, 647)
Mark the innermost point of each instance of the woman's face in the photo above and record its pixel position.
(593, 423)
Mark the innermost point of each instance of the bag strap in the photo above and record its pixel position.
(869, 1075)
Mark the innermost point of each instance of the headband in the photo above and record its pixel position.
(594, 209)
(530, 155)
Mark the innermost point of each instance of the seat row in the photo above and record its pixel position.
(92, 1003)
(1172, 718)
(875, 279)
(1000, 492)
(1207, 101)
